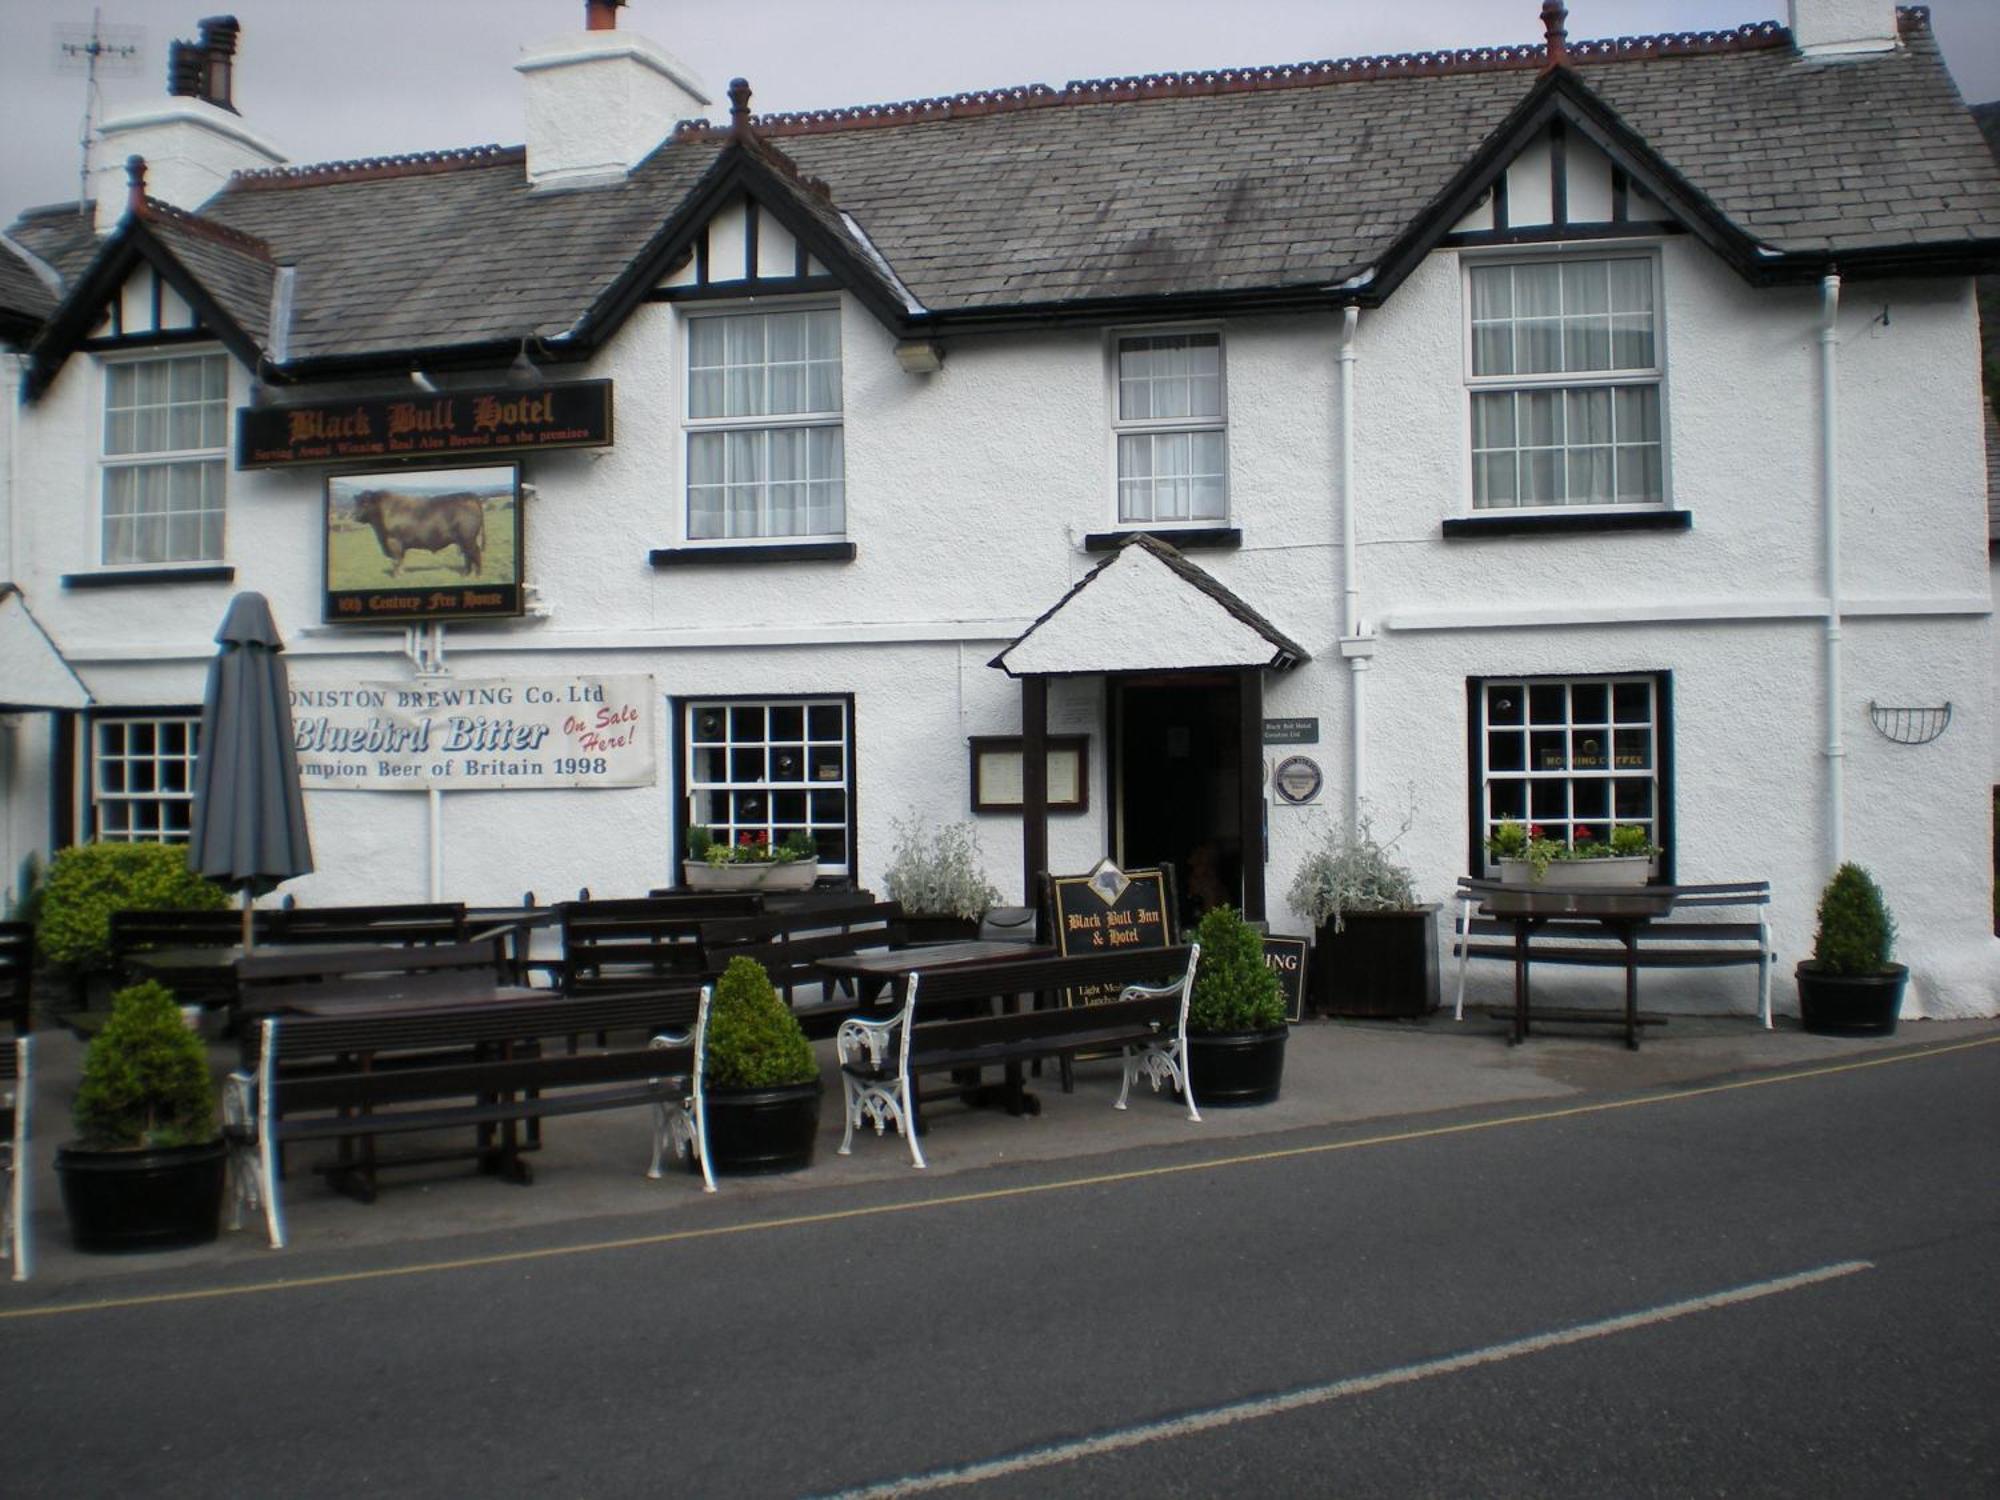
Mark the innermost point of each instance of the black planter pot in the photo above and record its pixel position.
(1381, 964)
(762, 1130)
(161, 1199)
(1232, 1068)
(1850, 1004)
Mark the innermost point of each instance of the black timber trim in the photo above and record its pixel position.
(751, 228)
(111, 343)
(1499, 201)
(762, 555)
(1558, 173)
(1194, 539)
(1621, 196)
(1630, 229)
(740, 170)
(114, 578)
(770, 286)
(120, 255)
(1553, 523)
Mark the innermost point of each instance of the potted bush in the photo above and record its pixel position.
(939, 881)
(752, 863)
(1374, 943)
(761, 1081)
(1622, 856)
(1236, 1015)
(147, 1170)
(88, 882)
(1849, 986)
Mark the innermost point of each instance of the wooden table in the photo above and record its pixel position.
(891, 967)
(1622, 909)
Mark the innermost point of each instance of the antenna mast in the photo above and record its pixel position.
(112, 51)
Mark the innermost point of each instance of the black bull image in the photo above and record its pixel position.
(405, 523)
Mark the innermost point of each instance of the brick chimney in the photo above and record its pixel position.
(598, 101)
(1843, 28)
(191, 141)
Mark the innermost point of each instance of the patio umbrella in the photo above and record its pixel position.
(249, 816)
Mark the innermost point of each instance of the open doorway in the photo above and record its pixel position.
(1179, 784)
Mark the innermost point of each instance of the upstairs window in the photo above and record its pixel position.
(764, 456)
(1565, 383)
(166, 434)
(1172, 439)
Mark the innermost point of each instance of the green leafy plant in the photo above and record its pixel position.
(1856, 933)
(145, 1077)
(754, 1042)
(1234, 989)
(939, 874)
(88, 882)
(752, 847)
(1352, 871)
(1512, 839)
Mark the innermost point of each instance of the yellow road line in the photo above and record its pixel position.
(953, 1200)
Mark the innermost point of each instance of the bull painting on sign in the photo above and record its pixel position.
(423, 544)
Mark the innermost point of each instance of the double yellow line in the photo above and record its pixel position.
(950, 1200)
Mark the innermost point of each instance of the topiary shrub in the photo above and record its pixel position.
(145, 1077)
(1856, 932)
(1234, 989)
(754, 1042)
(88, 882)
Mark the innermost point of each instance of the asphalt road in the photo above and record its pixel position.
(1783, 1287)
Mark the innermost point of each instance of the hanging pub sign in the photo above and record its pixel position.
(423, 544)
(1105, 911)
(487, 735)
(439, 426)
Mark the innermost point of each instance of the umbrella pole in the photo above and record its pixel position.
(249, 938)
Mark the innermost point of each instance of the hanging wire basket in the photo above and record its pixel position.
(1909, 726)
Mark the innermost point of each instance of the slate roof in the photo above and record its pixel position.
(25, 299)
(1277, 183)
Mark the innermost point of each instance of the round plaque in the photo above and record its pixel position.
(1297, 779)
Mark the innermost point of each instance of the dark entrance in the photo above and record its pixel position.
(1179, 784)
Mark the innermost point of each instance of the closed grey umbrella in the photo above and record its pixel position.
(249, 815)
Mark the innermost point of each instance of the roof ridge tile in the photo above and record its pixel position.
(376, 168)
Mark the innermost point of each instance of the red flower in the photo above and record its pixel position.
(1583, 832)
(1534, 830)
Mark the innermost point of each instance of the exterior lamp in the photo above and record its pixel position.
(920, 356)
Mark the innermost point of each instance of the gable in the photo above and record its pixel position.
(1561, 183)
(747, 249)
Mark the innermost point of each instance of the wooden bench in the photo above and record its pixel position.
(337, 1079)
(611, 947)
(16, 1093)
(1147, 1023)
(1688, 937)
(274, 979)
(790, 944)
(17, 975)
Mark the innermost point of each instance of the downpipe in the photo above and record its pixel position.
(1356, 646)
(1829, 501)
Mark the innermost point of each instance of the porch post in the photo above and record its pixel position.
(1250, 789)
(1034, 783)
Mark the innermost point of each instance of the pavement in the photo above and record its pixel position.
(1341, 1077)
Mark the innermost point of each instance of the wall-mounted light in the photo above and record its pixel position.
(422, 381)
(920, 356)
(522, 371)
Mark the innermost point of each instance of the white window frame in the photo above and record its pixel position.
(1568, 751)
(1652, 376)
(144, 795)
(109, 463)
(1123, 427)
(727, 806)
(833, 420)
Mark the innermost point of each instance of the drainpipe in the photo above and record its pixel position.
(1829, 505)
(1356, 646)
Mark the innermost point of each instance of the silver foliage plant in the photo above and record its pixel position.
(939, 874)
(1352, 871)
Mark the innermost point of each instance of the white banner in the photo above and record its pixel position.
(502, 734)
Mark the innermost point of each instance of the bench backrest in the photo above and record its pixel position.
(790, 944)
(17, 974)
(432, 922)
(609, 946)
(1687, 921)
(1150, 987)
(269, 978)
(135, 930)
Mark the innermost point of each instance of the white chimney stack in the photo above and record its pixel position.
(598, 102)
(1843, 28)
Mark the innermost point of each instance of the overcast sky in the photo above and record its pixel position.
(329, 80)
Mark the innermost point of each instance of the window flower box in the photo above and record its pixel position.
(791, 875)
(1612, 870)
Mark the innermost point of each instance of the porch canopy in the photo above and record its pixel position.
(33, 674)
(1145, 608)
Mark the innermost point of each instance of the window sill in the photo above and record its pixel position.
(782, 552)
(1554, 523)
(112, 578)
(1190, 539)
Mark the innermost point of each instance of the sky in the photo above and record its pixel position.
(328, 80)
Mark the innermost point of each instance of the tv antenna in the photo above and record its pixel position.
(96, 51)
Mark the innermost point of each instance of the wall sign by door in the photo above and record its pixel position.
(1291, 731)
(1106, 910)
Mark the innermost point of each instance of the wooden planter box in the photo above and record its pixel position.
(1382, 964)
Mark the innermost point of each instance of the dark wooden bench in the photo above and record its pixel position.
(275, 979)
(16, 1094)
(880, 1061)
(790, 945)
(338, 1079)
(418, 922)
(17, 975)
(609, 947)
(1709, 926)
